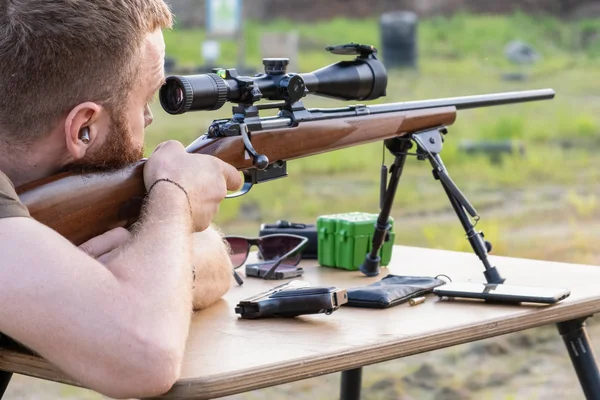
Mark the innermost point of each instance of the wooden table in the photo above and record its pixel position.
(228, 355)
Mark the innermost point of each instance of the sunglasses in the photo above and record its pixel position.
(280, 253)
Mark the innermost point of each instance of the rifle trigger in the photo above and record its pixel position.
(248, 183)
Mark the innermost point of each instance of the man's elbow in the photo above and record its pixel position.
(151, 376)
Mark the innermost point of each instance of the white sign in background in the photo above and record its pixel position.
(223, 17)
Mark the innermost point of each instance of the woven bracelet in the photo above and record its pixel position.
(187, 196)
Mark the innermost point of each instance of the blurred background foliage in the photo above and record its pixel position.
(537, 202)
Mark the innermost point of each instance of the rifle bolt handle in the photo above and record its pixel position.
(261, 162)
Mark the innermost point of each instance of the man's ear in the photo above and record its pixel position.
(81, 128)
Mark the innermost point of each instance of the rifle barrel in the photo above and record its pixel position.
(461, 103)
(467, 102)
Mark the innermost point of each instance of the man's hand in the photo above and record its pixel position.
(213, 268)
(103, 247)
(205, 178)
(211, 259)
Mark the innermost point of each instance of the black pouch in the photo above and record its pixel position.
(391, 291)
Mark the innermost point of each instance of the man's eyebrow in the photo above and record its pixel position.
(161, 83)
(157, 88)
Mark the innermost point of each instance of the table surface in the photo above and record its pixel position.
(227, 355)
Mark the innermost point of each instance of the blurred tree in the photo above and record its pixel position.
(308, 10)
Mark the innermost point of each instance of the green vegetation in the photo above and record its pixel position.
(459, 37)
(551, 185)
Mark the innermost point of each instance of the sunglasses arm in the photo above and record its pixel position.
(273, 268)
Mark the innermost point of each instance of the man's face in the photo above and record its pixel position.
(151, 78)
(124, 140)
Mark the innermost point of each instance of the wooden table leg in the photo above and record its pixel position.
(582, 355)
(351, 384)
(4, 380)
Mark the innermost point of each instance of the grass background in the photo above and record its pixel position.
(552, 183)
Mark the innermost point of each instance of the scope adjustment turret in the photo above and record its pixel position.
(275, 66)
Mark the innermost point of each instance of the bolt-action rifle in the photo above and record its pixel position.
(81, 206)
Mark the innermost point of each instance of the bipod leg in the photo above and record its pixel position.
(398, 147)
(429, 146)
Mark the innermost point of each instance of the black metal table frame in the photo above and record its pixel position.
(578, 346)
(429, 145)
(573, 333)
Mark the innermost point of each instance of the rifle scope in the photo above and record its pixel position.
(364, 78)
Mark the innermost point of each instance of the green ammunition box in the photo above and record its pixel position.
(345, 239)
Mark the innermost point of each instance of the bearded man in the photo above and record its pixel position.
(76, 80)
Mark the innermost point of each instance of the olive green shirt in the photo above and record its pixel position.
(10, 205)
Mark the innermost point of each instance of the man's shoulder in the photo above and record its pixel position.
(10, 205)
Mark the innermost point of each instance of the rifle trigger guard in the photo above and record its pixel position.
(248, 183)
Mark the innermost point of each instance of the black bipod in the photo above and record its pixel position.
(399, 147)
(429, 145)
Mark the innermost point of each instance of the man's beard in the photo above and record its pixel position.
(116, 152)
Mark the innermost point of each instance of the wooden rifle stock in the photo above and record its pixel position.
(82, 206)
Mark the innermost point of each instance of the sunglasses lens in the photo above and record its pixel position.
(239, 251)
(272, 247)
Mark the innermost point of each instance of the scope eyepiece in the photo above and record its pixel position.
(194, 92)
(176, 95)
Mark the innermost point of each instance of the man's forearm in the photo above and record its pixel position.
(156, 264)
(118, 328)
(213, 268)
(210, 262)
